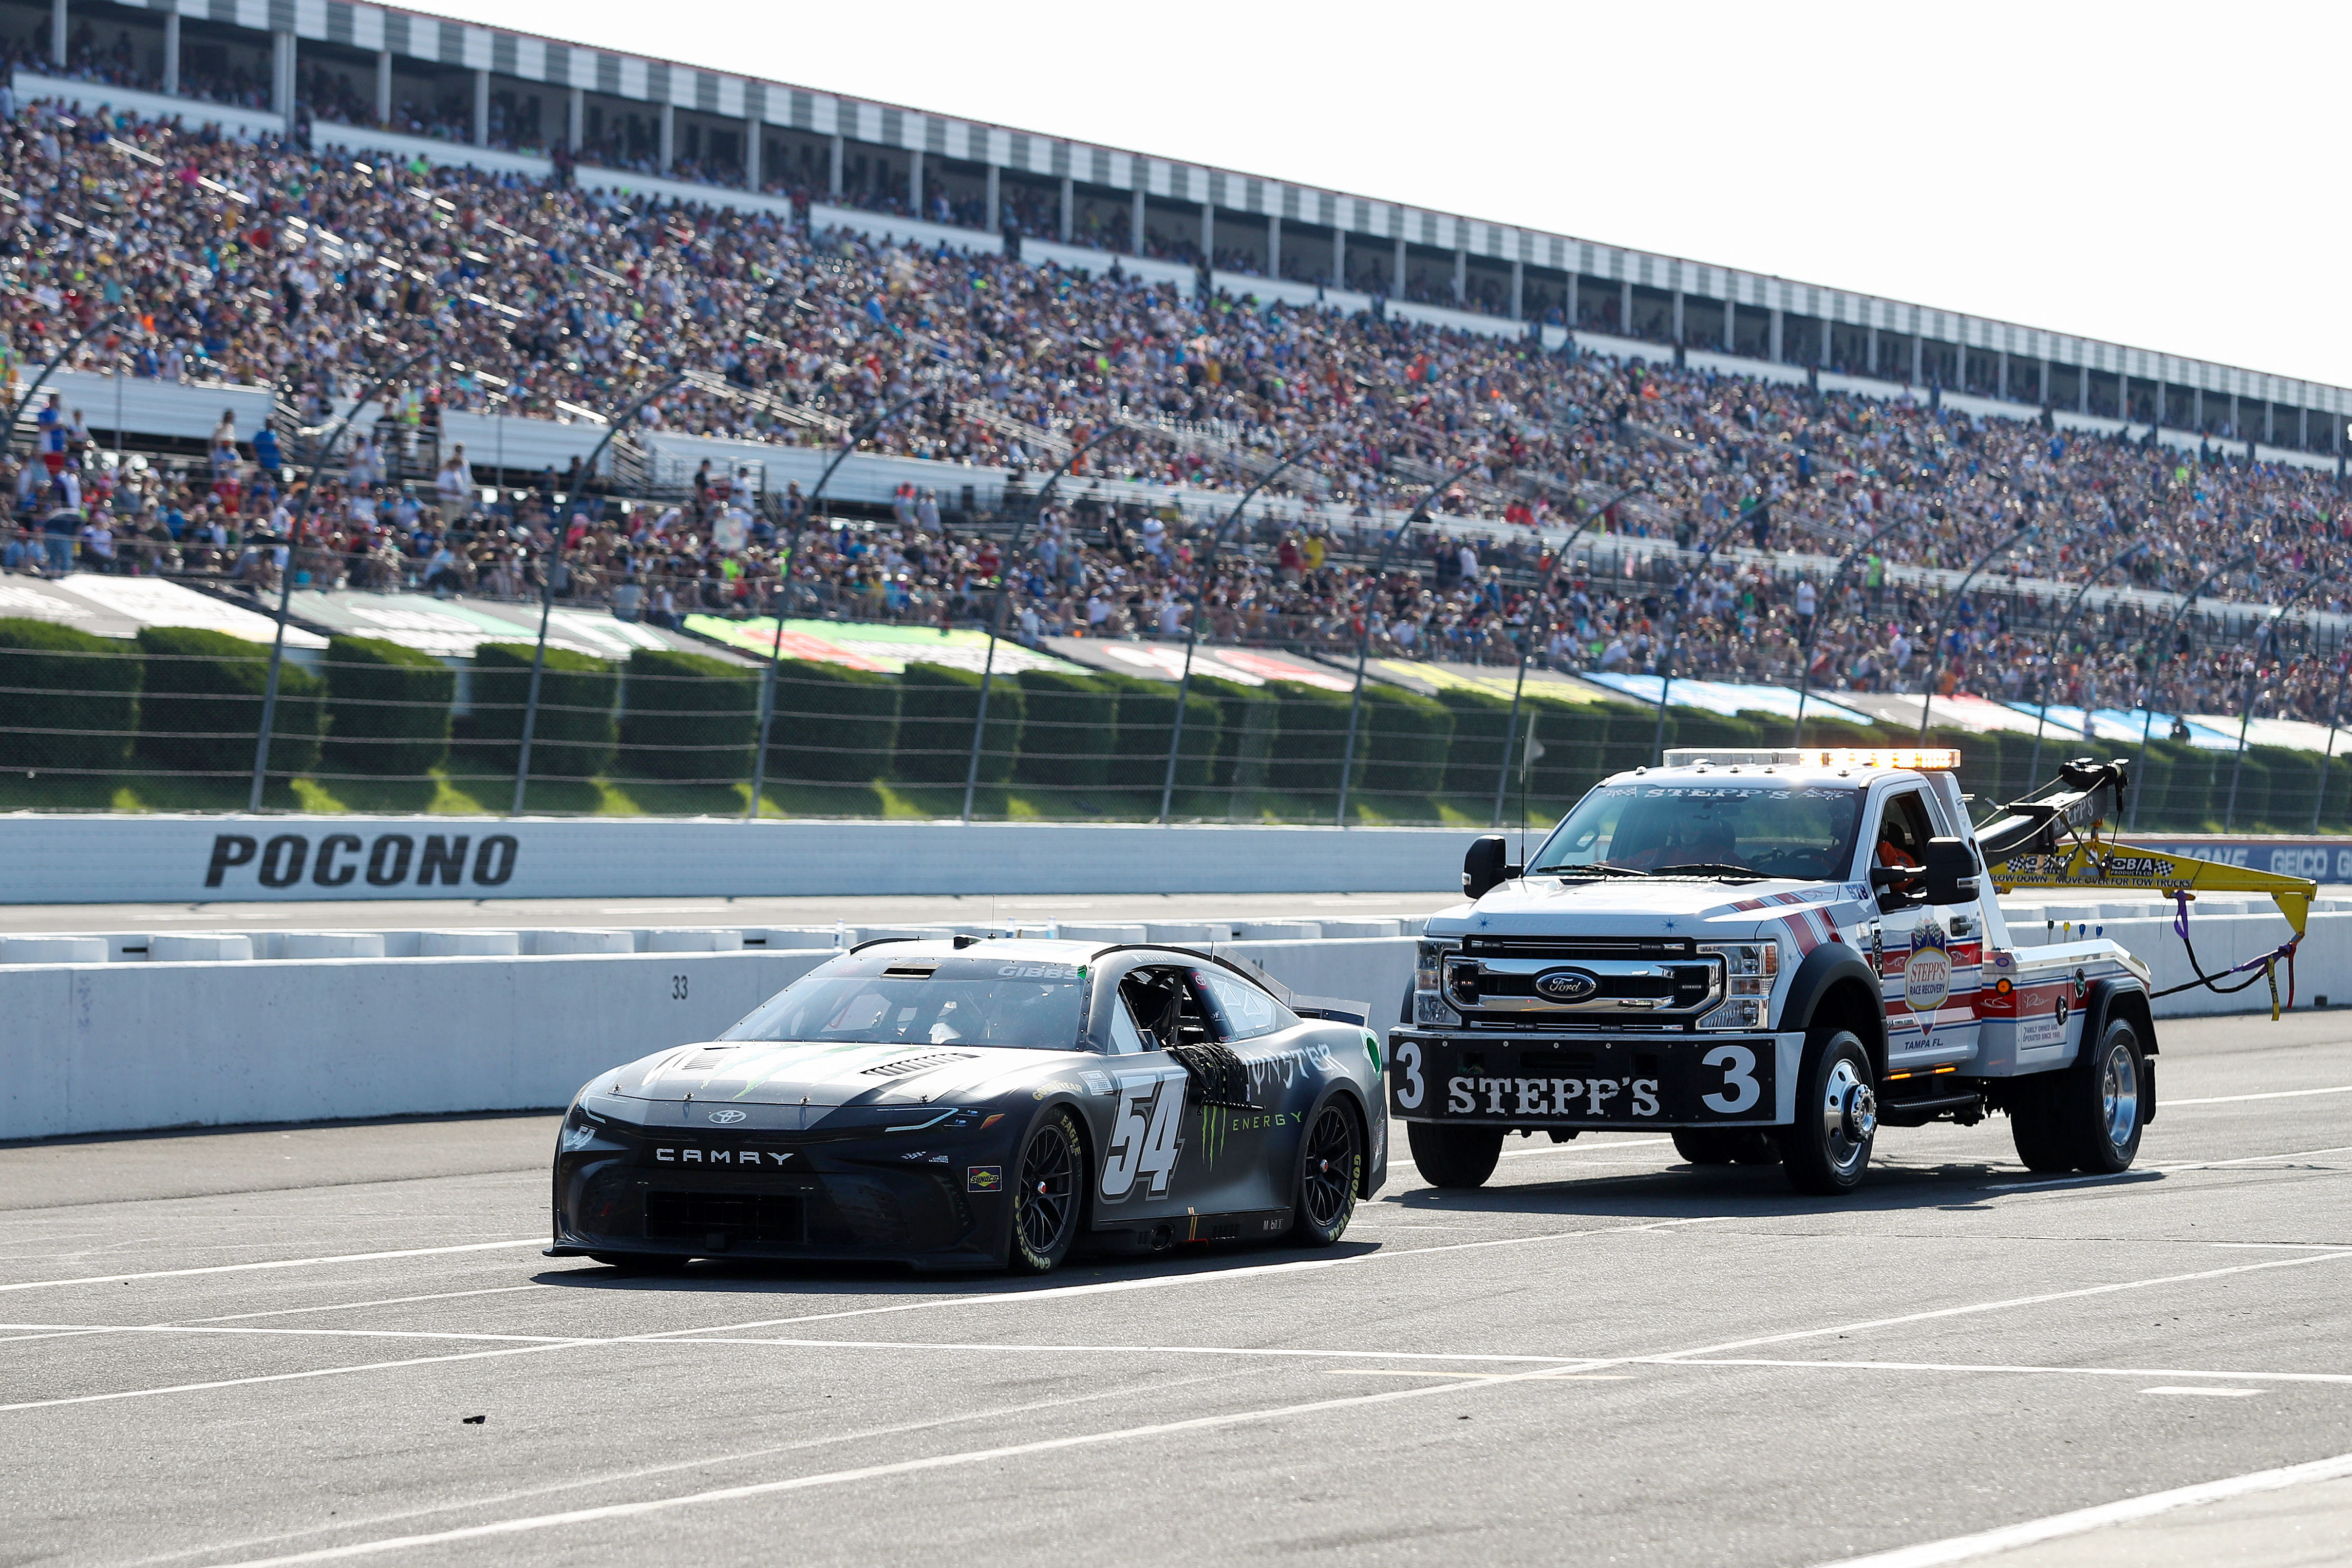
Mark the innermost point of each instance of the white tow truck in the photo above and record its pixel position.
(1771, 955)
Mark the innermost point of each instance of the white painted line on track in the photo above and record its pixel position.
(2143, 1173)
(1306, 1355)
(2239, 1099)
(250, 1329)
(2209, 1393)
(1492, 1376)
(2335, 1378)
(383, 1302)
(899, 1468)
(275, 1263)
(2081, 1521)
(285, 1376)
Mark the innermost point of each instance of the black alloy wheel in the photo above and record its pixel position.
(1330, 1164)
(1048, 1197)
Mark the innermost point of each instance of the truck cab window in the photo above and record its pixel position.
(1901, 840)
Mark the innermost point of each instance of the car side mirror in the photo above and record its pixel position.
(1952, 872)
(1485, 867)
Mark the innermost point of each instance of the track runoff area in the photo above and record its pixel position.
(314, 1344)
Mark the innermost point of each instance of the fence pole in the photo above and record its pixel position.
(1666, 657)
(277, 666)
(2246, 698)
(2156, 669)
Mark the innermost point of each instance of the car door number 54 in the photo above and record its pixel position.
(1143, 1137)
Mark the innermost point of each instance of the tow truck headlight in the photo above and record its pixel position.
(1429, 1003)
(1750, 969)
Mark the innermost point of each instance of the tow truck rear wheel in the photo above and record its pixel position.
(1725, 1146)
(2086, 1117)
(1826, 1150)
(1454, 1156)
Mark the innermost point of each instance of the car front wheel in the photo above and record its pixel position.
(1048, 1195)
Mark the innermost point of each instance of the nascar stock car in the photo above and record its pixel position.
(1772, 955)
(982, 1103)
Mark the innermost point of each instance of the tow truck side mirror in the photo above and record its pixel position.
(1485, 867)
(1951, 871)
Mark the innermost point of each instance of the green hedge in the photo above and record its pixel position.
(1406, 739)
(1146, 711)
(201, 710)
(575, 735)
(687, 716)
(1249, 724)
(832, 723)
(71, 699)
(1069, 732)
(1311, 734)
(387, 709)
(938, 706)
(1481, 719)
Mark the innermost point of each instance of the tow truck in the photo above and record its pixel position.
(1772, 955)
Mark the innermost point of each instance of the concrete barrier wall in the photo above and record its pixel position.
(91, 1047)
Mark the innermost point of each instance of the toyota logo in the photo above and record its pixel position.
(728, 1115)
(1565, 985)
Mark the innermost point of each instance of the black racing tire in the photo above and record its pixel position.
(2097, 1101)
(1330, 1168)
(1049, 1194)
(2033, 1124)
(1727, 1147)
(1454, 1156)
(1826, 1150)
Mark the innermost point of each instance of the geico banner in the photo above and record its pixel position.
(124, 859)
(2320, 859)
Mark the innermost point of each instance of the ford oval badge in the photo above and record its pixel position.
(1565, 985)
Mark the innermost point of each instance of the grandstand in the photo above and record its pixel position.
(444, 267)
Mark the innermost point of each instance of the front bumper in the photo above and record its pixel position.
(1594, 1081)
(666, 1194)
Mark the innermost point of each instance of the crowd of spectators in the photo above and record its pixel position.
(311, 272)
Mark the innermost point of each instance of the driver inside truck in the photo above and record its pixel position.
(1903, 835)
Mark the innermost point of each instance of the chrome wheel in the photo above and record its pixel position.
(2119, 1093)
(1849, 1115)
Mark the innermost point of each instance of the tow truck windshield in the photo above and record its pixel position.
(1718, 827)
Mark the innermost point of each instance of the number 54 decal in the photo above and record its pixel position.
(1144, 1136)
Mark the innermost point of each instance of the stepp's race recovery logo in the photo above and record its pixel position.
(1926, 974)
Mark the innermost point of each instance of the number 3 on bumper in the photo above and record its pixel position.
(1741, 1091)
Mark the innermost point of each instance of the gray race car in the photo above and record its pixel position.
(964, 1103)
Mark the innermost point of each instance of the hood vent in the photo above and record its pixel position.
(904, 1065)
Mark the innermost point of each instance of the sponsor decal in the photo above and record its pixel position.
(1927, 973)
(1098, 1081)
(390, 859)
(725, 1116)
(1040, 972)
(983, 1178)
(1574, 1096)
(1289, 1065)
(688, 1155)
(1565, 985)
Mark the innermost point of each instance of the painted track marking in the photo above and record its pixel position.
(275, 1263)
(2081, 1521)
(2239, 1099)
(2208, 1393)
(2141, 1173)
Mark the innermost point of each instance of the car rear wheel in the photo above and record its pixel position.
(1727, 1147)
(1330, 1163)
(1826, 1150)
(1048, 1196)
(1454, 1156)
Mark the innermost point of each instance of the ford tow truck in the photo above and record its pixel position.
(1772, 955)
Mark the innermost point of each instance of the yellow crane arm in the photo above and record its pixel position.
(2096, 864)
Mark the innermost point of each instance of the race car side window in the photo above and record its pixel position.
(1126, 1040)
(1167, 1009)
(1238, 1009)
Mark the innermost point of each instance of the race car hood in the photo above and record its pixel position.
(1629, 906)
(767, 1073)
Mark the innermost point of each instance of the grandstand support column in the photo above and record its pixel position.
(1678, 320)
(668, 136)
(1208, 234)
(281, 75)
(171, 53)
(2123, 396)
(481, 109)
(1398, 290)
(2234, 431)
(1918, 360)
(1870, 350)
(995, 189)
(1273, 245)
(836, 152)
(1777, 339)
(915, 182)
(575, 117)
(1339, 257)
(2000, 373)
(754, 139)
(1730, 325)
(1518, 290)
(2302, 430)
(1461, 277)
(1135, 224)
(58, 26)
(1625, 307)
(1066, 220)
(1569, 313)
(383, 87)
(2081, 389)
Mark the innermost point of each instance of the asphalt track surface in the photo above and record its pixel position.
(311, 1344)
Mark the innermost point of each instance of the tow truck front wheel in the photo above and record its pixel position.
(1454, 1156)
(2086, 1117)
(1828, 1148)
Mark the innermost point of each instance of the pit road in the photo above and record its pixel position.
(267, 1345)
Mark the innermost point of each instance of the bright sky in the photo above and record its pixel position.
(2161, 175)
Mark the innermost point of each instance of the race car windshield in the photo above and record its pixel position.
(872, 998)
(1719, 829)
